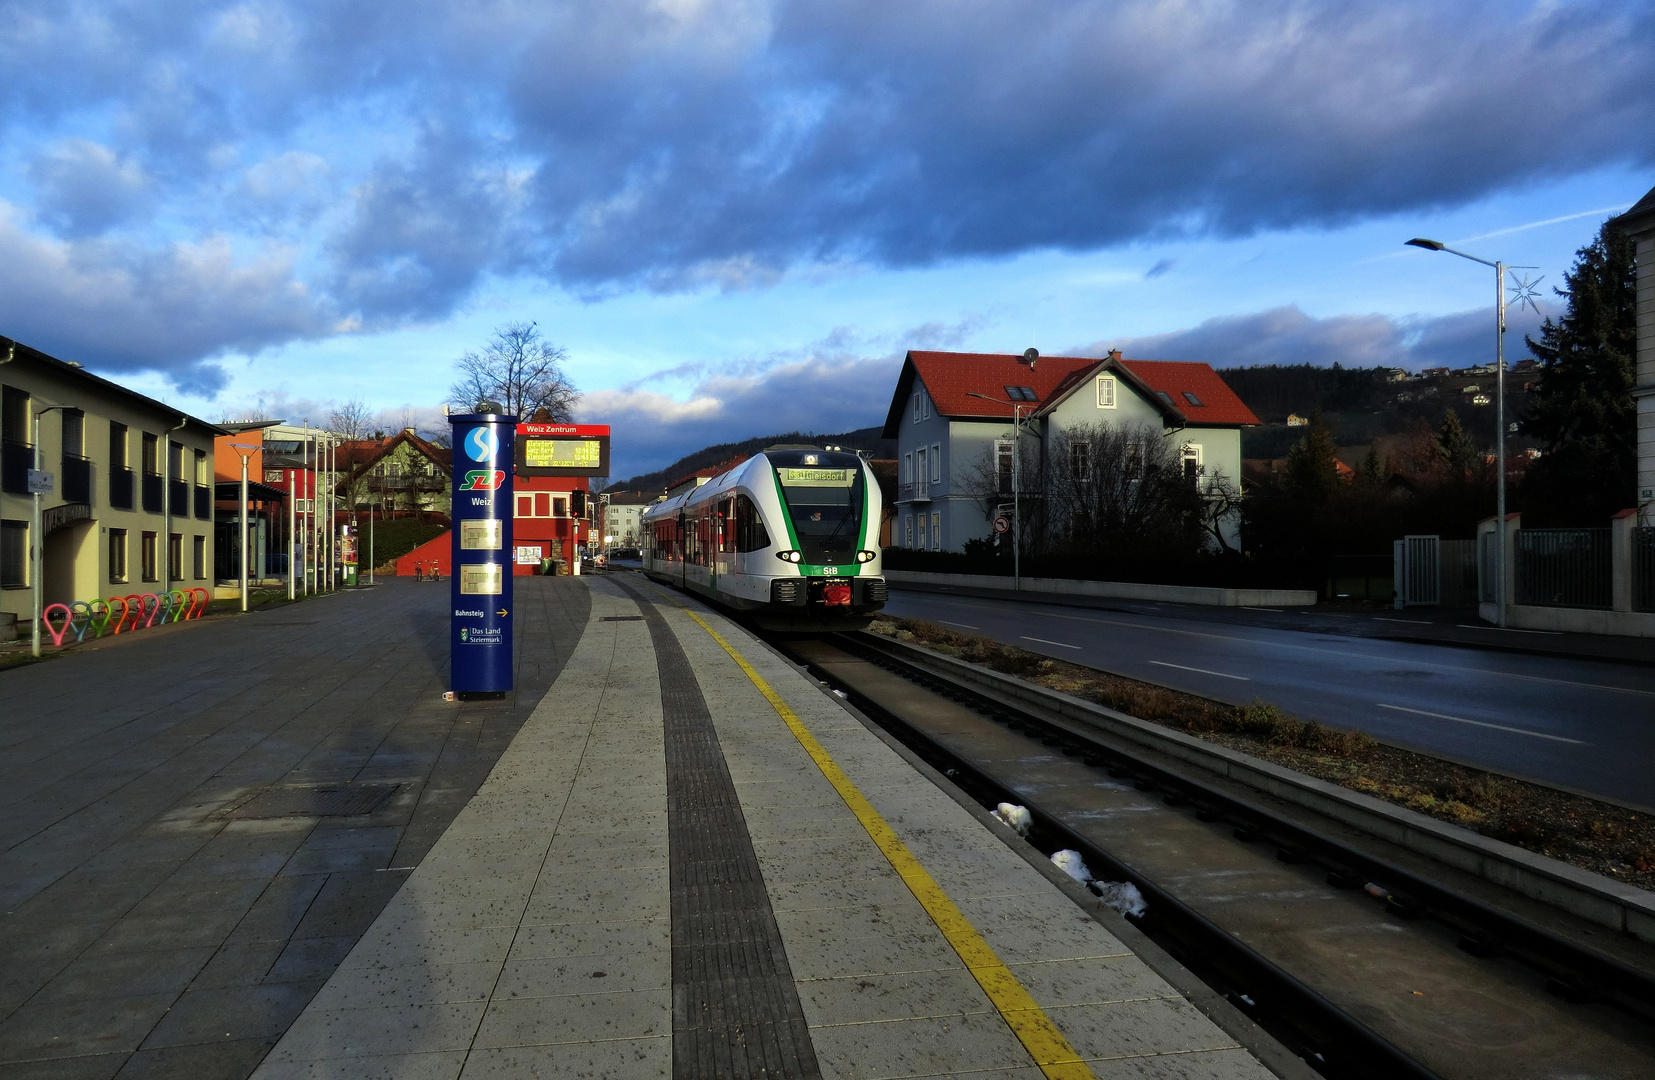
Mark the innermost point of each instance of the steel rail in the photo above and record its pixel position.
(1327, 1037)
(1575, 972)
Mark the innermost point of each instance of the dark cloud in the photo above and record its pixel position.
(1287, 335)
(666, 144)
(84, 189)
(1161, 268)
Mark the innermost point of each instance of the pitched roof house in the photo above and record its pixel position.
(953, 413)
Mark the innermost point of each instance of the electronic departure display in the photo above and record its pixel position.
(563, 449)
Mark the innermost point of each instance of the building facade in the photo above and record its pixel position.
(623, 513)
(1639, 223)
(130, 509)
(966, 423)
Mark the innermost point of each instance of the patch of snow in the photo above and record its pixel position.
(1123, 896)
(1072, 864)
(1016, 816)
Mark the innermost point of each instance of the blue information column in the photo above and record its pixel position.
(480, 629)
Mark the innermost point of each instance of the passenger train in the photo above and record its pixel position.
(788, 538)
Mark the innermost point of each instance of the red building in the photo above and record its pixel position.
(553, 520)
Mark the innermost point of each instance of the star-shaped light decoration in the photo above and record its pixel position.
(1525, 291)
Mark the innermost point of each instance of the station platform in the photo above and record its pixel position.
(694, 861)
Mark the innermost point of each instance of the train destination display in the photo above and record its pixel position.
(563, 449)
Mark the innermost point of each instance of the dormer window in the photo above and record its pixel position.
(1164, 396)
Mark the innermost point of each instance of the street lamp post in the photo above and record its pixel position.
(1016, 486)
(1500, 269)
(244, 451)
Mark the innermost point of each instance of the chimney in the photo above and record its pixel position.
(1114, 354)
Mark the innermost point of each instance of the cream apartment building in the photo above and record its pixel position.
(131, 505)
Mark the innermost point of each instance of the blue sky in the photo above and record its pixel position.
(735, 215)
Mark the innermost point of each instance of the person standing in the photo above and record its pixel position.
(419, 571)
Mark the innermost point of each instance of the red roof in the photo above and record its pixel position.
(952, 380)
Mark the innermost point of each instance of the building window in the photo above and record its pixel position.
(936, 532)
(175, 557)
(1106, 391)
(908, 531)
(1080, 460)
(1021, 393)
(924, 541)
(152, 455)
(925, 406)
(200, 558)
(1133, 467)
(14, 554)
(117, 445)
(147, 554)
(1192, 399)
(920, 468)
(117, 556)
(1190, 455)
(936, 463)
(74, 433)
(1003, 464)
(16, 449)
(917, 396)
(907, 468)
(201, 467)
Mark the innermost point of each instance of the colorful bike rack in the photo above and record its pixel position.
(123, 613)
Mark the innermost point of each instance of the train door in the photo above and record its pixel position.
(683, 550)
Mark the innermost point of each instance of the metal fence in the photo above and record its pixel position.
(1563, 567)
(1643, 569)
(1459, 573)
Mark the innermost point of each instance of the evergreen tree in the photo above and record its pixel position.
(1458, 452)
(1582, 405)
(1372, 471)
(1311, 474)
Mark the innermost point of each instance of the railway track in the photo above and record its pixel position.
(1359, 965)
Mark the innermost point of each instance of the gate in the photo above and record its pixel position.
(1643, 569)
(1418, 571)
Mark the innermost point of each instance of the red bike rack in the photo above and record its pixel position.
(57, 632)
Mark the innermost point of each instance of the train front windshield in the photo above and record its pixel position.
(824, 495)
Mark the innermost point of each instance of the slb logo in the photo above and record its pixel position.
(483, 480)
(482, 444)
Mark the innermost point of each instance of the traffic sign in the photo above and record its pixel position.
(1002, 524)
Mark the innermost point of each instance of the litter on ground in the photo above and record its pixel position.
(1016, 816)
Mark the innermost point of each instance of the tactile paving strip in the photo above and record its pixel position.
(735, 1009)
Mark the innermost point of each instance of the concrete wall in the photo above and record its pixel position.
(1118, 590)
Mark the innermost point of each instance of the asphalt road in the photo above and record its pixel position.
(1579, 724)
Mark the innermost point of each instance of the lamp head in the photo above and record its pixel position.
(1428, 245)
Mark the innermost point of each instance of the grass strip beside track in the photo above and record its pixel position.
(1027, 1020)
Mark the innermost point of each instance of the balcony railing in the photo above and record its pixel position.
(77, 479)
(180, 497)
(203, 502)
(120, 487)
(16, 459)
(153, 493)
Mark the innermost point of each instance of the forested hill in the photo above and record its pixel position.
(862, 439)
(1362, 405)
(1276, 390)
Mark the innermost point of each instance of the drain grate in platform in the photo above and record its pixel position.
(622, 618)
(348, 800)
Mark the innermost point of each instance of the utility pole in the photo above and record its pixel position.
(292, 535)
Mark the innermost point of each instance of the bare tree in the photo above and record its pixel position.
(519, 371)
(1120, 490)
(1220, 509)
(350, 420)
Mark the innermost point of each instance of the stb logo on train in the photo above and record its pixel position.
(483, 480)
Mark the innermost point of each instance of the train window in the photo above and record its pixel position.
(825, 506)
(750, 533)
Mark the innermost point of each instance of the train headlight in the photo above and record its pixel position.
(790, 556)
(866, 556)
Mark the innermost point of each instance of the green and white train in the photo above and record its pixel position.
(788, 538)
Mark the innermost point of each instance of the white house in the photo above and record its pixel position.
(953, 412)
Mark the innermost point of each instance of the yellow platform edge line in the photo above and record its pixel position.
(1027, 1020)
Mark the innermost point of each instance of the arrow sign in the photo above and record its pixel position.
(502, 613)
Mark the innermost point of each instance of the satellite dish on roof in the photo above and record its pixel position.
(1031, 355)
